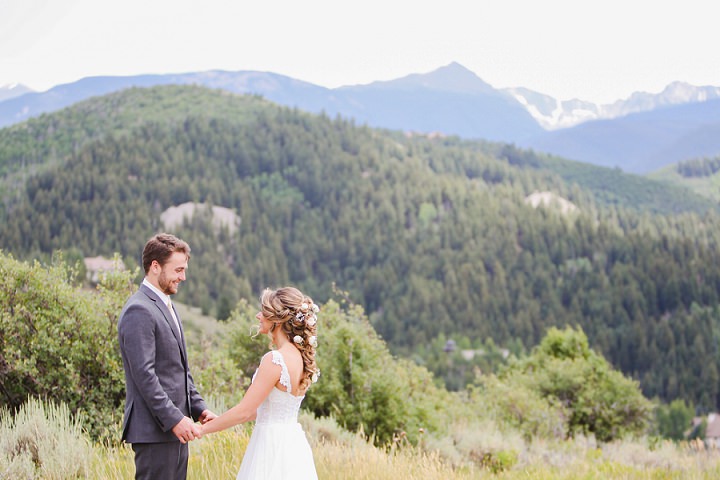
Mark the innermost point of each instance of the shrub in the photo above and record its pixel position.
(520, 407)
(598, 399)
(58, 341)
(675, 419)
(42, 440)
(480, 443)
(215, 372)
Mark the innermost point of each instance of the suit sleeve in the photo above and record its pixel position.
(197, 404)
(137, 335)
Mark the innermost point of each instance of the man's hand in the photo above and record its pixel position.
(186, 430)
(206, 416)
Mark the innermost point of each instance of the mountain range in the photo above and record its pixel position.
(553, 114)
(639, 135)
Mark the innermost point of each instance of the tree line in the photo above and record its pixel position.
(699, 167)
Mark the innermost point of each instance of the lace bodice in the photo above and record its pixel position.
(280, 406)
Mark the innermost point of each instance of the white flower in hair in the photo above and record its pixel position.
(315, 308)
(312, 321)
(313, 341)
(298, 339)
(304, 307)
(315, 376)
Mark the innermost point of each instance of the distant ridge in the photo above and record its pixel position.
(451, 78)
(33, 104)
(554, 114)
(13, 90)
(640, 134)
(640, 142)
(451, 100)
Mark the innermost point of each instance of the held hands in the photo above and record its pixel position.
(206, 416)
(187, 431)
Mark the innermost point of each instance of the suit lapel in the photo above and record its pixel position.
(181, 339)
(168, 318)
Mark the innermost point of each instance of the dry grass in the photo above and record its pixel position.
(42, 442)
(341, 455)
(218, 456)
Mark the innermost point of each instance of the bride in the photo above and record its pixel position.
(278, 448)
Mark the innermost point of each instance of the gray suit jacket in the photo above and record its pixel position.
(159, 388)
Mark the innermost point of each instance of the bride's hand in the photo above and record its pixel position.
(207, 416)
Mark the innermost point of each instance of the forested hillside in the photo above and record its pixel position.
(432, 236)
(699, 174)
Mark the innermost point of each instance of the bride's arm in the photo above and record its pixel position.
(267, 376)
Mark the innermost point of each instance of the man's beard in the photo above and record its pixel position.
(168, 288)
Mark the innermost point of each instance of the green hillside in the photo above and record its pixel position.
(615, 187)
(701, 175)
(432, 236)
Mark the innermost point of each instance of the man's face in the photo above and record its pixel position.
(172, 273)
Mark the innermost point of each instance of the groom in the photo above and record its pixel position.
(160, 393)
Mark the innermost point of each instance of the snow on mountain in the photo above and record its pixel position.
(553, 114)
(674, 94)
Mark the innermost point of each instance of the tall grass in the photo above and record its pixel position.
(218, 456)
(43, 441)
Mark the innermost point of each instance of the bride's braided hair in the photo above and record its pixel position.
(294, 312)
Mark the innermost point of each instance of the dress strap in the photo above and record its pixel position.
(278, 359)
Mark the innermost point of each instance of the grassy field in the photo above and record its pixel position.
(219, 456)
(43, 441)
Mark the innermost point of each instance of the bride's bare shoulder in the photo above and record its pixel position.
(290, 354)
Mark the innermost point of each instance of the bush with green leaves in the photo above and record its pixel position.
(519, 406)
(674, 420)
(597, 399)
(215, 372)
(59, 342)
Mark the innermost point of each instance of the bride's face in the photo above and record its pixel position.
(264, 323)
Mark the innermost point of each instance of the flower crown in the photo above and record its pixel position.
(307, 314)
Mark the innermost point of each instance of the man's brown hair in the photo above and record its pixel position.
(161, 247)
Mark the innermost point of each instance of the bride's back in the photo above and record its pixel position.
(294, 363)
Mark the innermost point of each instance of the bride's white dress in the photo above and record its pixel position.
(278, 448)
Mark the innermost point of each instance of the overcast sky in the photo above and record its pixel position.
(599, 51)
